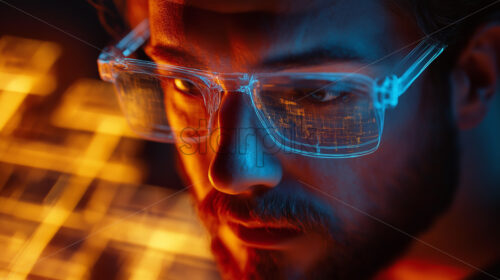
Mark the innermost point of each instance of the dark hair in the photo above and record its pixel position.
(431, 15)
(110, 16)
(450, 20)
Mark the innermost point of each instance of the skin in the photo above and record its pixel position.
(406, 183)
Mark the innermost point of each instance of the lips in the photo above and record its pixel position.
(258, 235)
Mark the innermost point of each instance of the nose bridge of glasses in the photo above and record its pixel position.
(233, 83)
(226, 84)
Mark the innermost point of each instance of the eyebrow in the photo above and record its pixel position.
(173, 55)
(316, 56)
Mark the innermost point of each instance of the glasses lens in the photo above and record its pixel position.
(163, 107)
(320, 116)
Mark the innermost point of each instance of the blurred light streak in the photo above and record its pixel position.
(11, 101)
(90, 251)
(134, 230)
(63, 202)
(99, 150)
(23, 63)
(77, 111)
(61, 159)
(20, 55)
(18, 83)
(42, 84)
(150, 263)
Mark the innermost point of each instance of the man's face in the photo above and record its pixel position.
(286, 215)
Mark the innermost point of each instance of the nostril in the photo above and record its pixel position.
(225, 178)
(235, 175)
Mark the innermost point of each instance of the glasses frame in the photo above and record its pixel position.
(386, 90)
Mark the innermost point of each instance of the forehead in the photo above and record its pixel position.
(239, 35)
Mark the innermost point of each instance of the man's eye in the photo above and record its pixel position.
(331, 96)
(186, 87)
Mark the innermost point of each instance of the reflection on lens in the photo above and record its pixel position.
(163, 108)
(311, 114)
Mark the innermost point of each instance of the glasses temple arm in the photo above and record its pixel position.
(416, 62)
(125, 47)
(134, 39)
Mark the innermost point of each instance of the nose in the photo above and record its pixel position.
(241, 164)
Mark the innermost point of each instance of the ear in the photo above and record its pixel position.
(475, 77)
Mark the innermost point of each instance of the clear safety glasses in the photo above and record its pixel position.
(327, 115)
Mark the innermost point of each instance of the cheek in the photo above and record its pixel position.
(371, 183)
(353, 188)
(341, 183)
(196, 164)
(188, 119)
(195, 155)
(405, 130)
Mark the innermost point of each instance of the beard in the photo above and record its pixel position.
(431, 175)
(357, 255)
